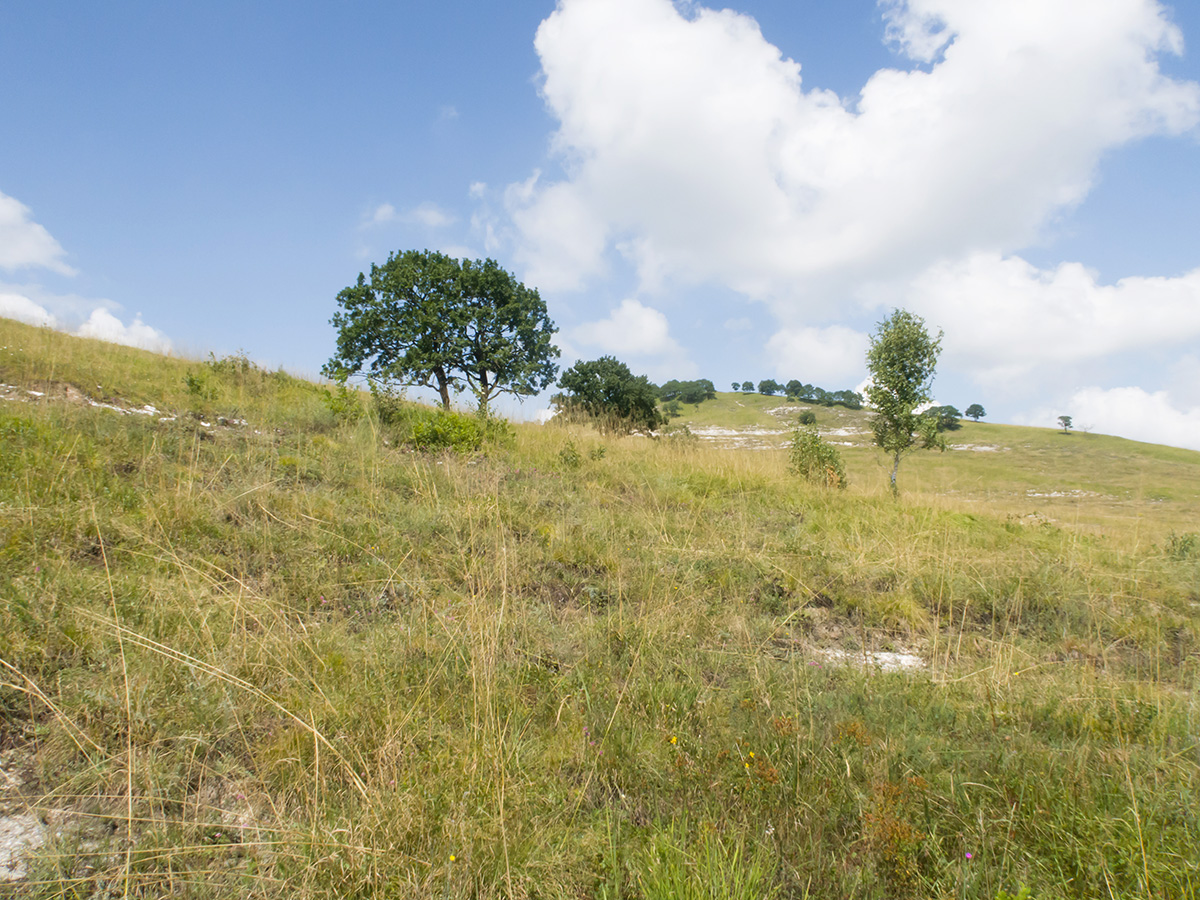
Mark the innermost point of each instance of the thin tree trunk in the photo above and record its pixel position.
(895, 469)
(485, 394)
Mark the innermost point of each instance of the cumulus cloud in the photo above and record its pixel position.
(21, 308)
(638, 333)
(1128, 412)
(831, 357)
(24, 244)
(1004, 318)
(103, 325)
(692, 149)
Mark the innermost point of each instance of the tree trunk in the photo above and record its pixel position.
(485, 395)
(443, 387)
(895, 469)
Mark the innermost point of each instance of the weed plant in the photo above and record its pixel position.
(298, 658)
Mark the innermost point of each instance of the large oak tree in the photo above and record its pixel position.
(426, 319)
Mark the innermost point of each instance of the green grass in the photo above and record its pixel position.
(294, 658)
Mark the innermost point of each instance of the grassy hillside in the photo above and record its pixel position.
(250, 647)
(1095, 481)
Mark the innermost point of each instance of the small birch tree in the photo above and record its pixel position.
(902, 359)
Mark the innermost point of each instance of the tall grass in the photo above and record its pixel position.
(296, 658)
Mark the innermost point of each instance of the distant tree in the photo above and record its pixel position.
(695, 392)
(945, 417)
(423, 318)
(747, 387)
(1064, 422)
(770, 387)
(808, 417)
(607, 393)
(902, 359)
(848, 399)
(794, 389)
(821, 396)
(976, 412)
(736, 386)
(672, 409)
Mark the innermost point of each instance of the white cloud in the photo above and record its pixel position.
(24, 244)
(427, 214)
(1005, 318)
(831, 358)
(691, 147)
(103, 325)
(638, 333)
(16, 306)
(1128, 412)
(381, 215)
(631, 329)
(430, 215)
(739, 324)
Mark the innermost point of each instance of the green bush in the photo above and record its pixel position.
(814, 459)
(808, 417)
(343, 403)
(569, 456)
(389, 404)
(442, 430)
(430, 430)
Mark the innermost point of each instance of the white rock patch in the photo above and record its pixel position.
(19, 835)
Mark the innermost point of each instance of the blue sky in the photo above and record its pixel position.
(731, 193)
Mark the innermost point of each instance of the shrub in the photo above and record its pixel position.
(423, 428)
(388, 403)
(815, 460)
(343, 403)
(808, 417)
(570, 456)
(442, 430)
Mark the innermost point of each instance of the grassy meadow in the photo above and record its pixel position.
(253, 644)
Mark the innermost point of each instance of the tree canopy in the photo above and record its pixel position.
(426, 319)
(902, 359)
(695, 392)
(976, 412)
(945, 417)
(610, 395)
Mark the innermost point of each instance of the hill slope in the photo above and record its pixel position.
(1085, 479)
(251, 647)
